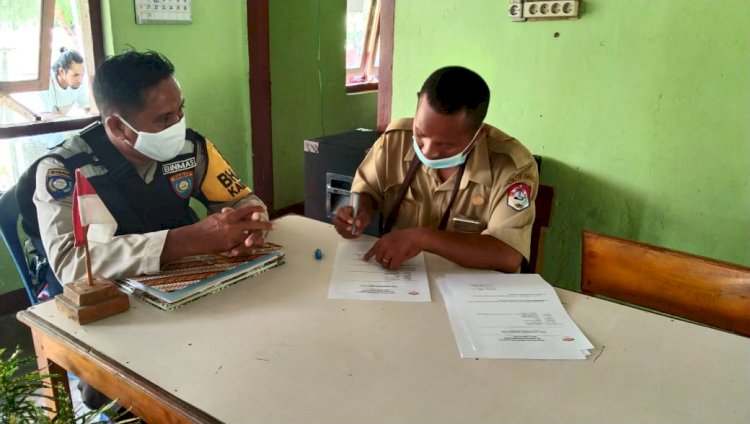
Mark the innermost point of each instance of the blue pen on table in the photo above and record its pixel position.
(354, 202)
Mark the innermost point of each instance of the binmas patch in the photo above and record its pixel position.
(59, 183)
(182, 184)
(519, 196)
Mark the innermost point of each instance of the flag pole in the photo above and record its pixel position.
(89, 277)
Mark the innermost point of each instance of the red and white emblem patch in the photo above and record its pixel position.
(518, 196)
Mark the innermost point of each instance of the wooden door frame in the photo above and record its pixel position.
(258, 47)
(385, 76)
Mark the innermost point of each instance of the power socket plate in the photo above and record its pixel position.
(544, 10)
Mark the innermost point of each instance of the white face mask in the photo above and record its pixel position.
(449, 162)
(163, 145)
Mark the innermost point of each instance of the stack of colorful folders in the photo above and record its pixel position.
(192, 277)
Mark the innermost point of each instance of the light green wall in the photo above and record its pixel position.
(640, 110)
(307, 87)
(9, 279)
(211, 63)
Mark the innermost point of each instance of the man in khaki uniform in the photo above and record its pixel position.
(446, 183)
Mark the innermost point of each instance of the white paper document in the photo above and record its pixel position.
(354, 278)
(510, 316)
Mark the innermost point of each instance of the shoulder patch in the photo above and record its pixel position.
(59, 183)
(182, 183)
(221, 183)
(519, 196)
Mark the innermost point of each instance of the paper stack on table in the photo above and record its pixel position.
(354, 278)
(510, 316)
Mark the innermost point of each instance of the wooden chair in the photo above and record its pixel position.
(543, 204)
(696, 288)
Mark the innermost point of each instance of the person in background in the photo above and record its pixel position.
(67, 93)
(446, 182)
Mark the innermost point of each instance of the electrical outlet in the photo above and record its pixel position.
(515, 10)
(550, 9)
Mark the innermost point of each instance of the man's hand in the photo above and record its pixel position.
(231, 230)
(343, 221)
(396, 247)
(254, 238)
(481, 251)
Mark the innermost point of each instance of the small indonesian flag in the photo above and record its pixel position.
(91, 219)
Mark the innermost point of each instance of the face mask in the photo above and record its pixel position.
(163, 145)
(449, 162)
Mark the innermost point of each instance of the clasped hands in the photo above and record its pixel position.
(236, 231)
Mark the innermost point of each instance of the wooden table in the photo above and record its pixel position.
(274, 349)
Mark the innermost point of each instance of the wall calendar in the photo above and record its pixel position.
(163, 11)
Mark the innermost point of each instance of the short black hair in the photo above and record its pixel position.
(121, 80)
(66, 58)
(454, 89)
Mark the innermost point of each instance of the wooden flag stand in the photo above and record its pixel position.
(89, 299)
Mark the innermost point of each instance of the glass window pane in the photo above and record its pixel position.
(16, 154)
(19, 39)
(357, 14)
(66, 29)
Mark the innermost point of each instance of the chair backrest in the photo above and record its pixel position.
(699, 289)
(9, 229)
(543, 203)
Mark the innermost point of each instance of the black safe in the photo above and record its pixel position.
(330, 164)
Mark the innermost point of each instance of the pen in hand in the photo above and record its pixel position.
(354, 202)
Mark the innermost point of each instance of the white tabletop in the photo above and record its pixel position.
(274, 349)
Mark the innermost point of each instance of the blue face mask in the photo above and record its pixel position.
(449, 162)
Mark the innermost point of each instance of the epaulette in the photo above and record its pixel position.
(403, 124)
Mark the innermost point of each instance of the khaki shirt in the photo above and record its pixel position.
(498, 187)
(124, 255)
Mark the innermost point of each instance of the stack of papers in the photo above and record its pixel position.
(510, 316)
(193, 277)
(354, 278)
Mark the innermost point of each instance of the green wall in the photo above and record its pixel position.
(307, 87)
(640, 110)
(9, 279)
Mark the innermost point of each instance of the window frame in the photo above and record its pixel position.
(369, 52)
(91, 12)
(45, 52)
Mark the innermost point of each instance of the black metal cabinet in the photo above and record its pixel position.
(330, 164)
